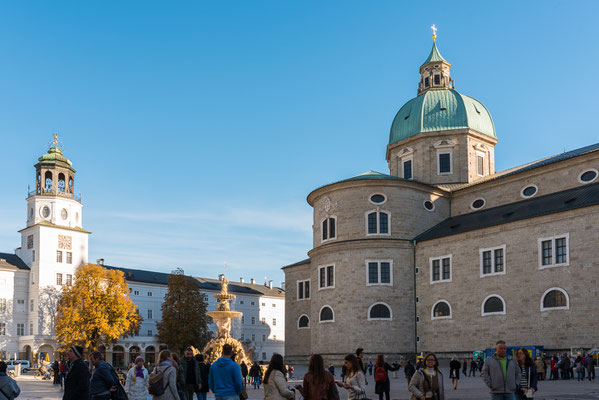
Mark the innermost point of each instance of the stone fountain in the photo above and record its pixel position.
(222, 318)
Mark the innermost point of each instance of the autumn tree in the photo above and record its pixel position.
(184, 321)
(96, 310)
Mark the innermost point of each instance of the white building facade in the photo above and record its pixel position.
(54, 243)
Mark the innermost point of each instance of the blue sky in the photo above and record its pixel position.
(199, 128)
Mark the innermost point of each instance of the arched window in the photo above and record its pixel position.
(327, 314)
(493, 304)
(379, 311)
(71, 184)
(61, 183)
(441, 310)
(303, 322)
(555, 299)
(377, 222)
(48, 181)
(38, 183)
(329, 228)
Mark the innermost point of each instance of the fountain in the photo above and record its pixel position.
(222, 318)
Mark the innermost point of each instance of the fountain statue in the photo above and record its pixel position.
(222, 318)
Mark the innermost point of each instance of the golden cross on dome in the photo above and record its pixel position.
(434, 28)
(55, 141)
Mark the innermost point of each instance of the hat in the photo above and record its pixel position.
(138, 358)
(78, 350)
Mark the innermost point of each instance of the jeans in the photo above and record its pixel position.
(579, 375)
(386, 396)
(201, 395)
(226, 397)
(257, 382)
(502, 396)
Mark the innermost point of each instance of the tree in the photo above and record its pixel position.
(184, 321)
(96, 310)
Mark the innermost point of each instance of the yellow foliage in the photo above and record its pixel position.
(96, 310)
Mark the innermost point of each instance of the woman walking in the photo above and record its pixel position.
(318, 384)
(355, 381)
(381, 377)
(540, 364)
(427, 382)
(454, 372)
(136, 386)
(527, 386)
(169, 377)
(275, 383)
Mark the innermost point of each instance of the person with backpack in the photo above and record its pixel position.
(138, 380)
(255, 375)
(381, 377)
(163, 379)
(427, 382)
(8, 386)
(224, 378)
(102, 383)
(355, 379)
(318, 384)
(204, 371)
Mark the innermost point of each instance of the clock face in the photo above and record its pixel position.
(45, 211)
(64, 214)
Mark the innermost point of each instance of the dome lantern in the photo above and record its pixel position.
(435, 71)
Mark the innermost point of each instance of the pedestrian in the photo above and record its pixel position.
(332, 369)
(579, 368)
(409, 370)
(464, 367)
(527, 385)
(8, 386)
(473, 367)
(554, 369)
(590, 366)
(540, 364)
(204, 371)
(359, 356)
(381, 377)
(167, 370)
(275, 383)
(191, 374)
(370, 366)
(480, 364)
(454, 372)
(318, 384)
(572, 364)
(56, 373)
(291, 370)
(102, 383)
(501, 374)
(76, 383)
(355, 379)
(244, 371)
(62, 370)
(224, 378)
(427, 382)
(180, 377)
(255, 374)
(138, 380)
(395, 364)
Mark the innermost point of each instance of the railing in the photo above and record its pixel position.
(44, 192)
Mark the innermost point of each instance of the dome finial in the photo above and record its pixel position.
(434, 28)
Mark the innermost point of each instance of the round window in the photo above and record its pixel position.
(429, 206)
(377, 198)
(45, 211)
(588, 176)
(529, 191)
(478, 203)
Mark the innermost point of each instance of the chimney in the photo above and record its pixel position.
(270, 284)
(253, 281)
(242, 279)
(283, 285)
(100, 261)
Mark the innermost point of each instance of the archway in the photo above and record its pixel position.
(45, 354)
(26, 354)
(118, 357)
(150, 355)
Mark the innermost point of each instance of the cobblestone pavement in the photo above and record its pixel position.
(468, 388)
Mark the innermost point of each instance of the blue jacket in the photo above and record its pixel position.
(101, 380)
(224, 378)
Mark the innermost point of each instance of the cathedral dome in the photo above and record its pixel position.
(441, 110)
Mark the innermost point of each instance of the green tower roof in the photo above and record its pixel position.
(434, 55)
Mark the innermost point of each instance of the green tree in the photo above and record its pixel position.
(96, 310)
(184, 321)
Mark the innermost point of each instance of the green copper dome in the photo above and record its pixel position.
(440, 110)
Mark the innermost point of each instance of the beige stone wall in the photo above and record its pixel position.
(297, 341)
(549, 179)
(521, 287)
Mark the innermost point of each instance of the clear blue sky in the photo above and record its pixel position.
(198, 128)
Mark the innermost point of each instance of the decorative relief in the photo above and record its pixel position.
(65, 242)
(29, 242)
(327, 205)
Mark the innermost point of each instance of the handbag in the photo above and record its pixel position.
(529, 393)
(244, 394)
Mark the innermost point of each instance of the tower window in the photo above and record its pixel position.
(407, 169)
(426, 82)
(69, 279)
(440, 269)
(59, 279)
(480, 164)
(69, 257)
(329, 228)
(48, 181)
(326, 277)
(61, 183)
(437, 80)
(444, 163)
(378, 223)
(58, 256)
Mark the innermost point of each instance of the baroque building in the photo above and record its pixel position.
(54, 243)
(445, 254)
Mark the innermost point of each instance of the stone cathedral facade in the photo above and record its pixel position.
(443, 253)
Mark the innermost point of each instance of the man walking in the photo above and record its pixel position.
(204, 371)
(224, 378)
(244, 372)
(76, 384)
(190, 370)
(102, 383)
(590, 366)
(472, 368)
(500, 374)
(8, 387)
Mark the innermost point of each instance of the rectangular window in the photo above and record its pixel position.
(437, 79)
(328, 228)
(480, 165)
(264, 356)
(378, 272)
(325, 229)
(383, 223)
(553, 251)
(149, 314)
(303, 290)
(59, 279)
(242, 319)
(2, 305)
(31, 328)
(274, 338)
(20, 329)
(445, 163)
(29, 242)
(242, 338)
(241, 302)
(263, 304)
(378, 223)
(252, 303)
(30, 304)
(69, 257)
(498, 260)
(440, 269)
(149, 294)
(58, 256)
(136, 292)
(69, 279)
(253, 337)
(2, 328)
(274, 322)
(426, 82)
(32, 255)
(264, 338)
(372, 223)
(492, 261)
(487, 262)
(150, 333)
(407, 169)
(253, 321)
(263, 320)
(326, 277)
(274, 305)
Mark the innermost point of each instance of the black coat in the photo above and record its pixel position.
(454, 369)
(76, 384)
(382, 387)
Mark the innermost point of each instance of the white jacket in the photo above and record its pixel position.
(276, 388)
(137, 388)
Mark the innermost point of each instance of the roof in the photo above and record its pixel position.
(50, 224)
(440, 110)
(527, 167)
(12, 261)
(306, 261)
(434, 55)
(566, 200)
(161, 278)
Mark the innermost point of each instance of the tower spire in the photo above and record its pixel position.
(434, 72)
